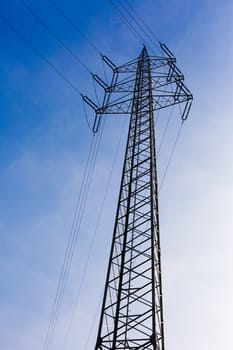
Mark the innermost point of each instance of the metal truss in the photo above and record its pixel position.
(167, 87)
(132, 310)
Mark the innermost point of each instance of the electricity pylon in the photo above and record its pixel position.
(132, 310)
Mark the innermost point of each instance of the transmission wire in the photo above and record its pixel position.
(124, 19)
(165, 130)
(140, 26)
(72, 240)
(142, 21)
(93, 322)
(93, 239)
(95, 91)
(39, 53)
(67, 48)
(52, 33)
(171, 156)
(78, 30)
(70, 51)
(69, 20)
(105, 73)
(63, 274)
(69, 251)
(86, 117)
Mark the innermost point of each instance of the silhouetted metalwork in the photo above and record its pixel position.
(132, 309)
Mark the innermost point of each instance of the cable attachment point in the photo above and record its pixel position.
(187, 108)
(166, 50)
(99, 81)
(109, 62)
(97, 110)
(90, 102)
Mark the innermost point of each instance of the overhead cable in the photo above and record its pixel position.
(65, 267)
(78, 30)
(93, 240)
(72, 241)
(93, 323)
(76, 224)
(39, 53)
(52, 33)
(132, 16)
(171, 156)
(126, 21)
(165, 131)
(142, 21)
(69, 20)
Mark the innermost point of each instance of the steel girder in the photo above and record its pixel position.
(131, 315)
(132, 309)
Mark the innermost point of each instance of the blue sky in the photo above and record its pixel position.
(44, 142)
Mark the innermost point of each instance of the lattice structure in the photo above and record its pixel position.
(132, 309)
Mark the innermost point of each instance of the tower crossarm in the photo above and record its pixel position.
(167, 87)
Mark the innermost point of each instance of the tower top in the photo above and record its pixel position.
(144, 51)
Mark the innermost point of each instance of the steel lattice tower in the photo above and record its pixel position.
(132, 309)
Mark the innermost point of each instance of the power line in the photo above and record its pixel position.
(73, 237)
(52, 33)
(93, 238)
(130, 26)
(68, 256)
(93, 323)
(72, 241)
(171, 156)
(46, 60)
(165, 131)
(69, 20)
(142, 21)
(78, 225)
(138, 24)
(78, 30)
(84, 191)
(86, 116)
(66, 262)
